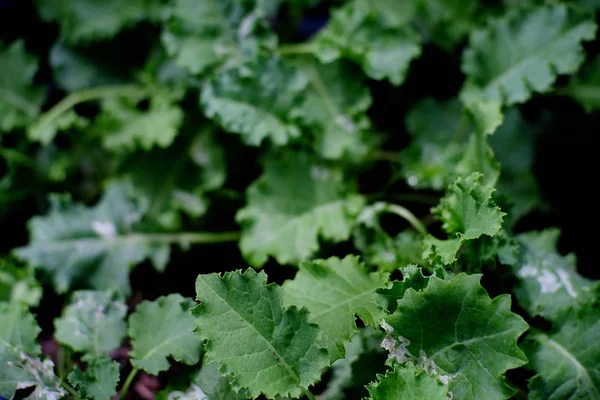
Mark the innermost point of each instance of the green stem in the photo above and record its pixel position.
(60, 362)
(90, 94)
(128, 382)
(309, 395)
(295, 49)
(70, 389)
(409, 216)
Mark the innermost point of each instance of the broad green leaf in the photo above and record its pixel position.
(335, 291)
(18, 285)
(190, 167)
(87, 20)
(201, 35)
(523, 52)
(18, 328)
(207, 382)
(585, 86)
(92, 323)
(468, 209)
(566, 359)
(334, 109)
(408, 382)
(549, 281)
(99, 380)
(294, 203)
(256, 100)
(439, 251)
(367, 36)
(267, 348)
(93, 246)
(161, 329)
(20, 371)
(20, 101)
(460, 333)
(124, 127)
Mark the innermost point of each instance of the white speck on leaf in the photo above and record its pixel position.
(105, 229)
(386, 327)
(527, 270)
(319, 173)
(566, 282)
(548, 282)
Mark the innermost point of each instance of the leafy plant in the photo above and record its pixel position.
(358, 206)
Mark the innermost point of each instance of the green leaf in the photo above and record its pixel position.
(379, 248)
(207, 382)
(460, 333)
(98, 382)
(202, 35)
(294, 203)
(412, 277)
(20, 101)
(18, 328)
(441, 252)
(335, 291)
(566, 359)
(190, 167)
(384, 47)
(523, 52)
(92, 246)
(256, 100)
(408, 382)
(161, 329)
(334, 109)
(585, 86)
(88, 20)
(468, 209)
(267, 348)
(125, 127)
(18, 285)
(20, 371)
(549, 281)
(513, 146)
(92, 323)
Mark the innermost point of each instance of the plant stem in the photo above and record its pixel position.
(60, 362)
(128, 382)
(294, 49)
(69, 389)
(90, 94)
(409, 216)
(309, 395)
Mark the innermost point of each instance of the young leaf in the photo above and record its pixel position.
(87, 20)
(408, 382)
(20, 371)
(161, 329)
(541, 42)
(460, 333)
(468, 209)
(291, 205)
(585, 85)
(18, 285)
(412, 277)
(335, 291)
(200, 35)
(92, 246)
(125, 127)
(334, 106)
(547, 280)
(98, 382)
(20, 101)
(93, 323)
(256, 100)
(383, 46)
(267, 348)
(18, 328)
(566, 359)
